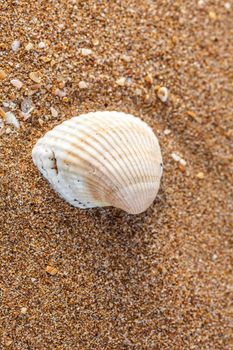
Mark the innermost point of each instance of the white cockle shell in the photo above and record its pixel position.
(102, 159)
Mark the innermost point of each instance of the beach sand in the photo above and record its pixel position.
(101, 279)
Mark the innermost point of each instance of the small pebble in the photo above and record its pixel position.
(126, 58)
(227, 6)
(149, 79)
(86, 52)
(2, 113)
(36, 77)
(41, 45)
(176, 157)
(11, 119)
(9, 104)
(182, 168)
(167, 131)
(51, 270)
(54, 112)
(26, 105)
(8, 131)
(83, 85)
(23, 310)
(60, 93)
(2, 74)
(183, 162)
(121, 81)
(212, 15)
(200, 175)
(17, 83)
(163, 93)
(95, 42)
(201, 2)
(29, 47)
(15, 45)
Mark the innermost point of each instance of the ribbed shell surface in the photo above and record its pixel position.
(102, 159)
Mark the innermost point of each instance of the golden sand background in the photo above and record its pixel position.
(159, 280)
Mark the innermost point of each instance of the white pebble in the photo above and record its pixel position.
(15, 45)
(41, 45)
(227, 6)
(167, 131)
(29, 46)
(86, 52)
(163, 93)
(201, 2)
(83, 85)
(54, 112)
(121, 81)
(182, 162)
(8, 131)
(17, 83)
(176, 157)
(12, 120)
(9, 104)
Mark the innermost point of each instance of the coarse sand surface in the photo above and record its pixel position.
(102, 279)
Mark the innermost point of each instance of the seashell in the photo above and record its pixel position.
(102, 159)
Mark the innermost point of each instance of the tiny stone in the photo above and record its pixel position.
(33, 280)
(200, 175)
(51, 270)
(149, 79)
(35, 87)
(201, 2)
(17, 83)
(61, 85)
(41, 45)
(182, 162)
(23, 310)
(121, 81)
(26, 105)
(182, 168)
(126, 58)
(40, 121)
(175, 157)
(45, 59)
(212, 15)
(11, 119)
(2, 113)
(86, 52)
(54, 112)
(163, 93)
(83, 85)
(95, 42)
(9, 104)
(29, 47)
(227, 6)
(2, 74)
(35, 76)
(214, 257)
(60, 93)
(15, 45)
(167, 131)
(8, 131)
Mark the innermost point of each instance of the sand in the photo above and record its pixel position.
(102, 279)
